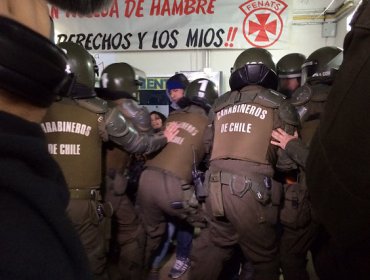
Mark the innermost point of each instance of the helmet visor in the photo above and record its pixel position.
(308, 70)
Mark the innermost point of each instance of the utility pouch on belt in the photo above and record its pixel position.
(296, 209)
(261, 193)
(104, 211)
(215, 194)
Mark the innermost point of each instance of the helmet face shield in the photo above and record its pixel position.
(308, 70)
(253, 74)
(321, 65)
(254, 66)
(290, 66)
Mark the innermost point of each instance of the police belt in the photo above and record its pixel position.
(239, 184)
(88, 193)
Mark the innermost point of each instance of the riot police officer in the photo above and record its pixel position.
(318, 73)
(119, 85)
(71, 126)
(337, 165)
(289, 71)
(296, 233)
(75, 126)
(241, 206)
(166, 186)
(300, 230)
(38, 240)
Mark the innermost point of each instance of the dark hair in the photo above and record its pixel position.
(163, 117)
(81, 6)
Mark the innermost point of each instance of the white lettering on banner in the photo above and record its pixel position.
(62, 126)
(64, 149)
(181, 7)
(236, 127)
(177, 24)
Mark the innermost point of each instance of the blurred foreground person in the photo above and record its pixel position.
(339, 159)
(37, 239)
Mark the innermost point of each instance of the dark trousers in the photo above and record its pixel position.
(157, 191)
(246, 222)
(128, 235)
(297, 232)
(91, 231)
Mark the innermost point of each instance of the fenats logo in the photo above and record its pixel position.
(262, 26)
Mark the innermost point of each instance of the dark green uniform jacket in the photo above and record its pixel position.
(37, 240)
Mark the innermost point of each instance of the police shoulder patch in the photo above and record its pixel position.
(269, 98)
(320, 92)
(301, 95)
(222, 101)
(289, 114)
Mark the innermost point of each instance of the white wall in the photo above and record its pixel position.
(303, 38)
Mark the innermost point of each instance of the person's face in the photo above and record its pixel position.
(289, 85)
(176, 94)
(156, 121)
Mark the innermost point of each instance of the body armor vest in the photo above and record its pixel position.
(177, 156)
(242, 131)
(74, 142)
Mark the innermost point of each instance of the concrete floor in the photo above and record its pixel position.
(170, 260)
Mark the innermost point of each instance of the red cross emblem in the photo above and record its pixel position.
(262, 27)
(263, 24)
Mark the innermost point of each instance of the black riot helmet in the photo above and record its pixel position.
(290, 66)
(202, 92)
(254, 66)
(322, 65)
(122, 80)
(82, 64)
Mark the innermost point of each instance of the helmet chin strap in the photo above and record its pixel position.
(31, 66)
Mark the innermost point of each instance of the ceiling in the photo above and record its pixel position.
(315, 6)
(319, 11)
